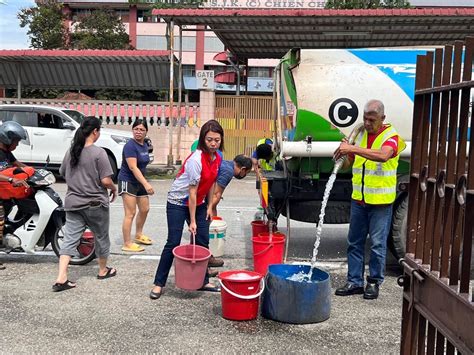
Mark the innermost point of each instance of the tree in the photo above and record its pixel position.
(101, 29)
(367, 4)
(46, 25)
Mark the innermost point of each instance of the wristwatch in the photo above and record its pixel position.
(10, 180)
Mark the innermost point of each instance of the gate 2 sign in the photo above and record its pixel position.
(205, 79)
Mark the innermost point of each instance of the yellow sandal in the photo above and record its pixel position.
(134, 248)
(143, 239)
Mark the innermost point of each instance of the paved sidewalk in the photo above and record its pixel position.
(116, 315)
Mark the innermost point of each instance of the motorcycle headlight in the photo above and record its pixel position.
(120, 139)
(47, 180)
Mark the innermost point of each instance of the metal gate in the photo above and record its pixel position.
(438, 308)
(245, 120)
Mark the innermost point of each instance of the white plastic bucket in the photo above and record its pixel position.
(217, 231)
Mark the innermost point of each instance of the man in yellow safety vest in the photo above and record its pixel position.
(263, 156)
(374, 158)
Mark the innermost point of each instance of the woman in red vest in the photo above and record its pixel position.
(187, 201)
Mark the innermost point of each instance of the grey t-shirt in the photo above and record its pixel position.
(84, 181)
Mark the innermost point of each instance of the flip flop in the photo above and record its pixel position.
(58, 287)
(143, 239)
(133, 248)
(111, 272)
(210, 288)
(2, 267)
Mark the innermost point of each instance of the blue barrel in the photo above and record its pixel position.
(293, 301)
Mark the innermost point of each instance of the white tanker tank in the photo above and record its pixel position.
(321, 96)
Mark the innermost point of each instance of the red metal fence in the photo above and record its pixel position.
(438, 308)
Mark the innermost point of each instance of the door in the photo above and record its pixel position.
(50, 137)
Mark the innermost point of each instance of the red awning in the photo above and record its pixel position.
(229, 78)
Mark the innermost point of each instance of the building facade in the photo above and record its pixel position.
(199, 47)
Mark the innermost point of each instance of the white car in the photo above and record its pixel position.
(50, 131)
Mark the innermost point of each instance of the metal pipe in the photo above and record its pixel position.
(171, 98)
(18, 82)
(319, 149)
(180, 89)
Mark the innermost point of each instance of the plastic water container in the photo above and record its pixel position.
(217, 231)
(240, 294)
(296, 302)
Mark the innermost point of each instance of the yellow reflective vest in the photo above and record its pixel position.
(374, 182)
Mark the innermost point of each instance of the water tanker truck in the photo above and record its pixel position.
(320, 97)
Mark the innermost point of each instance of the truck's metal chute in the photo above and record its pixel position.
(319, 149)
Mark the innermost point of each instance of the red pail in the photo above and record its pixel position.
(240, 294)
(190, 266)
(267, 250)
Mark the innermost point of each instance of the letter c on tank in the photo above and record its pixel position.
(343, 112)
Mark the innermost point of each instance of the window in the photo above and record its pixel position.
(151, 42)
(218, 68)
(189, 71)
(76, 116)
(48, 120)
(26, 119)
(146, 16)
(260, 72)
(213, 44)
(189, 43)
(159, 42)
(76, 13)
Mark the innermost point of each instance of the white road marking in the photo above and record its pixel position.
(39, 252)
(223, 208)
(145, 257)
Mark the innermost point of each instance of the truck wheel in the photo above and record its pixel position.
(113, 164)
(398, 233)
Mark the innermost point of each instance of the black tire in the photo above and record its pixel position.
(80, 258)
(113, 164)
(398, 232)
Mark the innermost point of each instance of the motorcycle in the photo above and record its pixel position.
(39, 219)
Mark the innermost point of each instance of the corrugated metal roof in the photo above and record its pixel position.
(263, 33)
(85, 69)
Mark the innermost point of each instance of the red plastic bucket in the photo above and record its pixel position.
(87, 243)
(260, 227)
(190, 266)
(240, 294)
(267, 251)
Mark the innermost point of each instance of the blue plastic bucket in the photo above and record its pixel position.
(294, 301)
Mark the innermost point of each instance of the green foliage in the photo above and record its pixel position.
(118, 94)
(40, 93)
(45, 25)
(102, 29)
(367, 4)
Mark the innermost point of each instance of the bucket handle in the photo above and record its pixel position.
(245, 297)
(193, 242)
(264, 250)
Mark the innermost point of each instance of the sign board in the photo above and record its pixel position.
(264, 4)
(205, 79)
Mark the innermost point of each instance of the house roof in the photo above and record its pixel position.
(264, 33)
(85, 69)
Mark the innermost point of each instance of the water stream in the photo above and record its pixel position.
(306, 277)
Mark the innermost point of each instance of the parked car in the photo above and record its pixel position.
(50, 131)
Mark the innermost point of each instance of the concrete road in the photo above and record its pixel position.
(116, 315)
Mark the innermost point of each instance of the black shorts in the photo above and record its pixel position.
(137, 190)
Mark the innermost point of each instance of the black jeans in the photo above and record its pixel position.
(176, 216)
